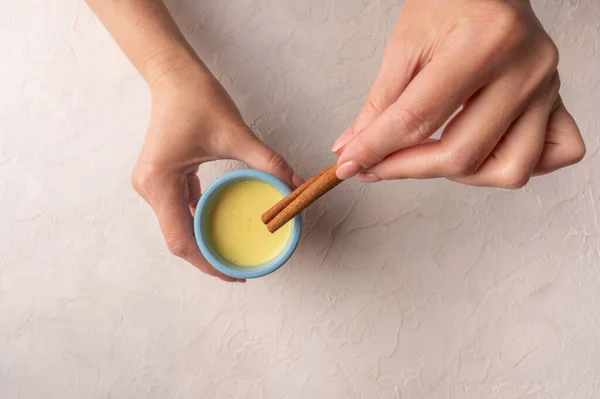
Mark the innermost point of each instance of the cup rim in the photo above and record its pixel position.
(244, 271)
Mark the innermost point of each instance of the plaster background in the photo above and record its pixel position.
(412, 289)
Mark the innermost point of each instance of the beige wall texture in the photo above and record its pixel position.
(408, 289)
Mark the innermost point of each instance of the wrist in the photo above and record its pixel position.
(171, 69)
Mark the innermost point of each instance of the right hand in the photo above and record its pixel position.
(490, 57)
(194, 121)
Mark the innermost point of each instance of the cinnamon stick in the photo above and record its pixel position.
(285, 201)
(322, 183)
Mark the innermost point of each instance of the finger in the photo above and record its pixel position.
(516, 156)
(400, 63)
(397, 69)
(428, 101)
(466, 142)
(470, 137)
(564, 144)
(176, 223)
(342, 140)
(258, 155)
(413, 162)
(469, 140)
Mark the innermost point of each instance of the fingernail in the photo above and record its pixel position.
(366, 177)
(297, 181)
(347, 170)
(342, 140)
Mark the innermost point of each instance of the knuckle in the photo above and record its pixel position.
(506, 31)
(369, 151)
(409, 127)
(462, 163)
(141, 179)
(544, 73)
(372, 104)
(549, 56)
(277, 162)
(514, 178)
(178, 247)
(511, 27)
(555, 83)
(575, 153)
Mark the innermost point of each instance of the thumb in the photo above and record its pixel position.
(256, 154)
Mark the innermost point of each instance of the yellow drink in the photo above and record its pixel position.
(235, 227)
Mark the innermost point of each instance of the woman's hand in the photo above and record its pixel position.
(493, 58)
(193, 121)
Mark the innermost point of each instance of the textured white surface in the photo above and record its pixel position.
(411, 289)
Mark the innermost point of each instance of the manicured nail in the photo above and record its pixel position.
(347, 170)
(366, 177)
(297, 181)
(342, 140)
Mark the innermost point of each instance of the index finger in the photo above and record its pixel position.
(177, 225)
(428, 101)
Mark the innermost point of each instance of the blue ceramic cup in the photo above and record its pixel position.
(202, 231)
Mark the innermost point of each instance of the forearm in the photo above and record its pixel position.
(146, 32)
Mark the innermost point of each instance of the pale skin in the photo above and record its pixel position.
(492, 57)
(193, 120)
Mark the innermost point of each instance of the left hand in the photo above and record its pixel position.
(493, 58)
(194, 121)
